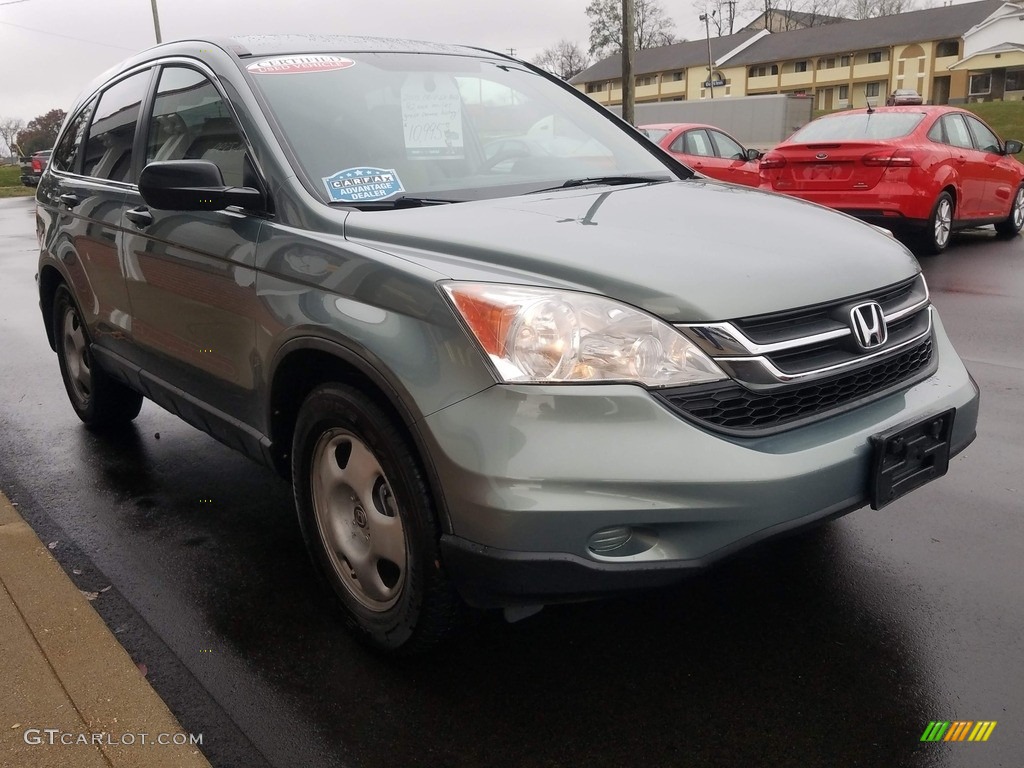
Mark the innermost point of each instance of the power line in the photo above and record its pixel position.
(66, 37)
(14, 2)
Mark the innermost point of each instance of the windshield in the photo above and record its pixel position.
(858, 125)
(373, 127)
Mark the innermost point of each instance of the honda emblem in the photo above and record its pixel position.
(867, 321)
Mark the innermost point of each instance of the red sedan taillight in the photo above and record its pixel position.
(772, 160)
(890, 158)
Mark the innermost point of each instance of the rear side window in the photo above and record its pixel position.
(191, 122)
(65, 156)
(698, 143)
(108, 151)
(956, 132)
(859, 126)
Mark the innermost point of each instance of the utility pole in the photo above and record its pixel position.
(628, 55)
(706, 18)
(156, 22)
(732, 14)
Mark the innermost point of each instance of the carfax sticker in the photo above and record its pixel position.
(361, 184)
(291, 65)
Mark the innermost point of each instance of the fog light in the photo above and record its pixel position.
(607, 540)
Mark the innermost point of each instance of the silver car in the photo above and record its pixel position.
(507, 351)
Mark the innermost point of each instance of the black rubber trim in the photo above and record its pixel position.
(498, 578)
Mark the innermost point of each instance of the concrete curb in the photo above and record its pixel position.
(71, 694)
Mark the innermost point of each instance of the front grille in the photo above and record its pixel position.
(821, 318)
(737, 410)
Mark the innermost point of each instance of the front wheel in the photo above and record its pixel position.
(98, 399)
(940, 226)
(369, 521)
(1012, 224)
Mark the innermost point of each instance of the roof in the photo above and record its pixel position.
(676, 56)
(806, 19)
(932, 24)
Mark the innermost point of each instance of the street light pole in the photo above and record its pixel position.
(156, 22)
(706, 18)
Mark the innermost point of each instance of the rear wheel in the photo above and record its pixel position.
(940, 226)
(98, 399)
(369, 521)
(1012, 224)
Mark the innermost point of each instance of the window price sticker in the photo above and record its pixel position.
(432, 117)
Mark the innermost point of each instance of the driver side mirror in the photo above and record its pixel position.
(1012, 147)
(754, 154)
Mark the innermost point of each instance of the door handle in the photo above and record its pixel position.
(140, 217)
(70, 200)
(961, 159)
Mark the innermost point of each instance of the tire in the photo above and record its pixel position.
(1011, 226)
(100, 400)
(936, 237)
(369, 522)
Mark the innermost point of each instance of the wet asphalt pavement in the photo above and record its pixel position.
(835, 648)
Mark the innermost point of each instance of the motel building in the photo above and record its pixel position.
(950, 55)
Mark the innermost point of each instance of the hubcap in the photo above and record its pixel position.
(357, 517)
(1018, 209)
(76, 355)
(943, 222)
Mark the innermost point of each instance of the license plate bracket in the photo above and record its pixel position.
(907, 457)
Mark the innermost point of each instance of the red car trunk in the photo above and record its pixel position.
(832, 166)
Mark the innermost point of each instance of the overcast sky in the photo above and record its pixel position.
(50, 49)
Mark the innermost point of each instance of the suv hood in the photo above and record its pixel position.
(686, 251)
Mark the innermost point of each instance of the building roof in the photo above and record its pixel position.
(948, 22)
(676, 56)
(799, 17)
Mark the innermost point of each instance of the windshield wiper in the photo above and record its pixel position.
(405, 201)
(610, 181)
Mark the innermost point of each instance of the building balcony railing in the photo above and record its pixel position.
(647, 91)
(796, 79)
(834, 75)
(768, 81)
(673, 87)
(877, 69)
(943, 63)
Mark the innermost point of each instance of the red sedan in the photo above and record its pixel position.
(921, 172)
(707, 150)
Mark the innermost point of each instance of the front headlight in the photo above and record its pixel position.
(547, 335)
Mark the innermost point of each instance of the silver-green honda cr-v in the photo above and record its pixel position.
(507, 351)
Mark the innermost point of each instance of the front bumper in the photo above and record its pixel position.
(529, 474)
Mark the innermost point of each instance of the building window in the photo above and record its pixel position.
(677, 76)
(595, 87)
(645, 80)
(844, 92)
(830, 63)
(800, 66)
(948, 48)
(844, 61)
(871, 89)
(1015, 80)
(874, 57)
(981, 84)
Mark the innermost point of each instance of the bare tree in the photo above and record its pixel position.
(721, 15)
(653, 27)
(565, 59)
(869, 9)
(786, 15)
(10, 127)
